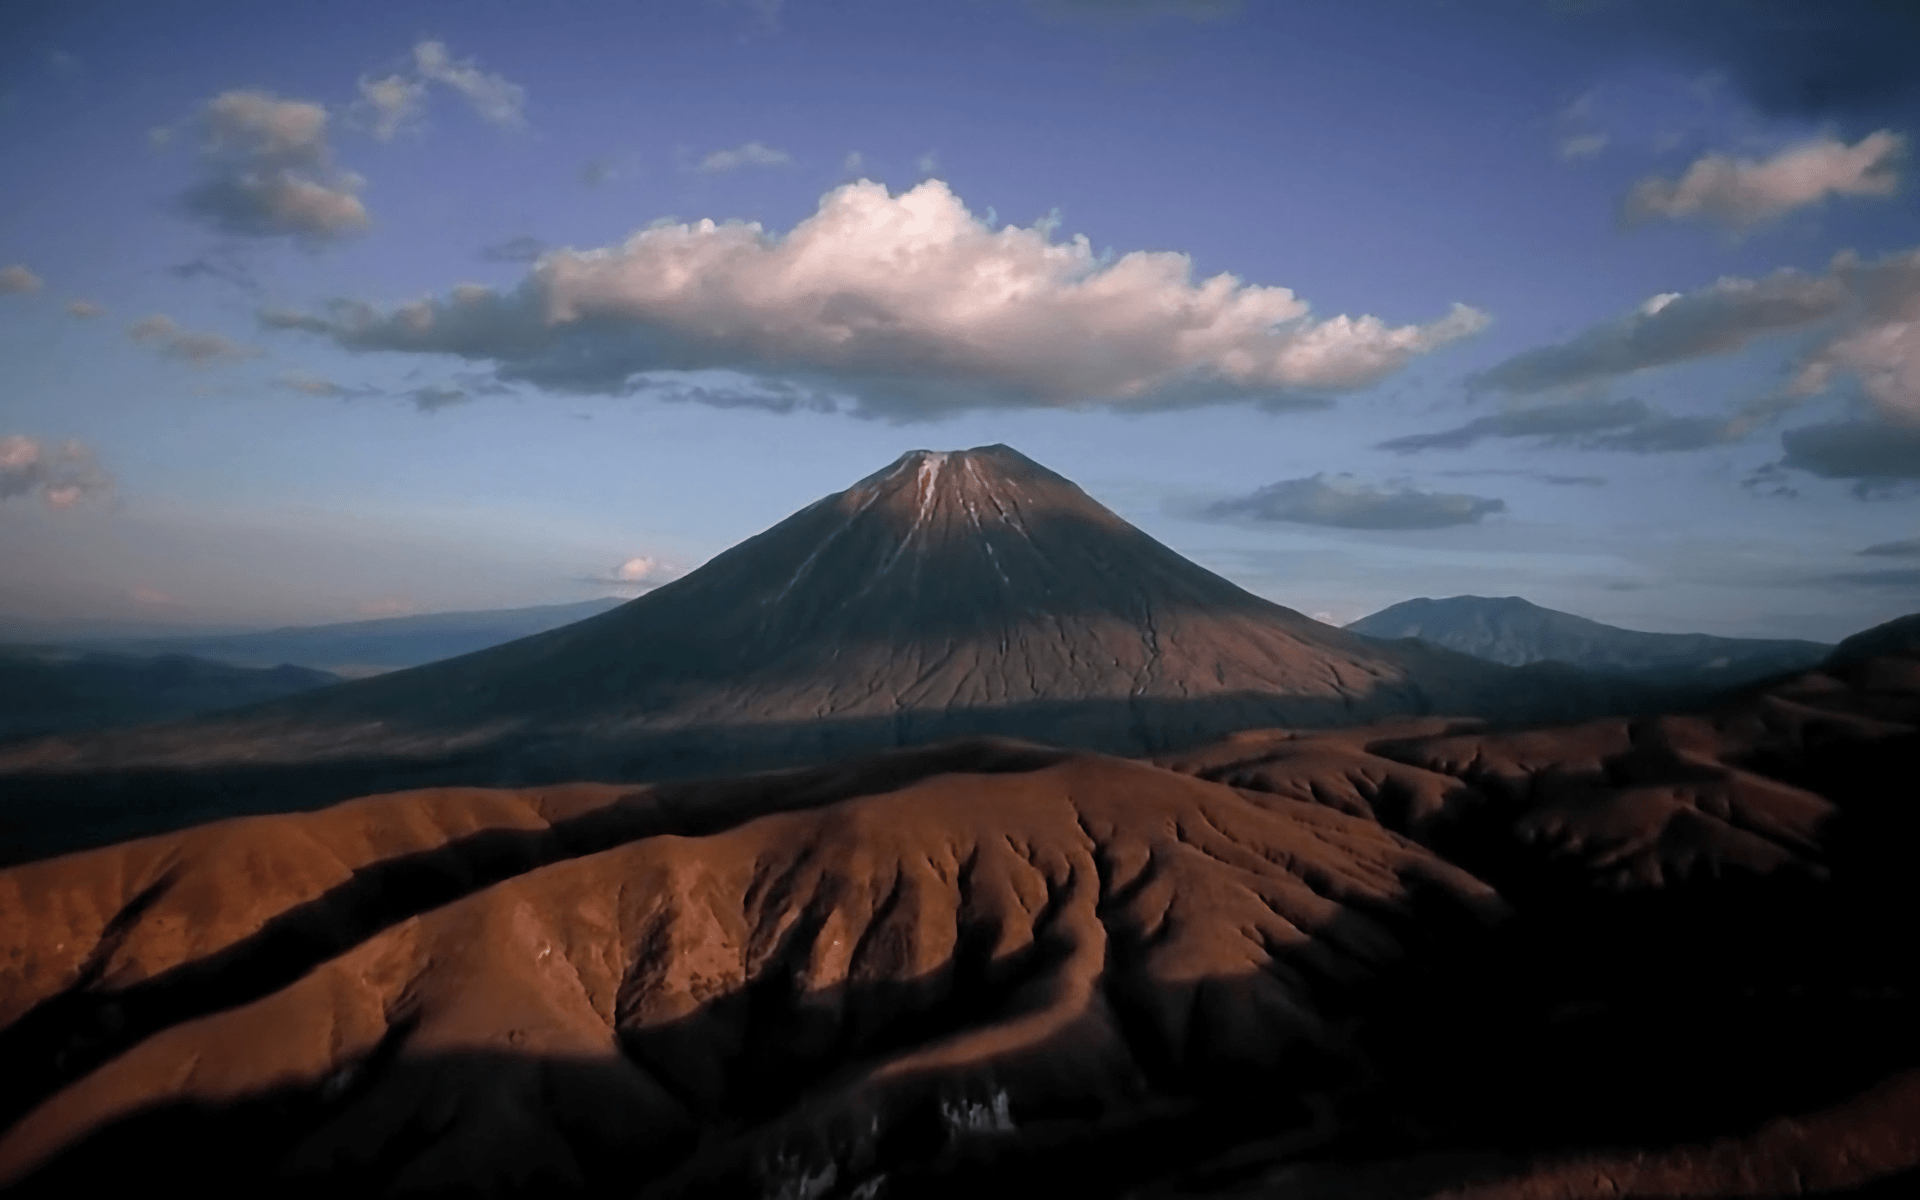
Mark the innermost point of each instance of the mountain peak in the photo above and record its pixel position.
(937, 497)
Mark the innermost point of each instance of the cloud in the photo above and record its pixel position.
(228, 264)
(85, 308)
(1662, 434)
(927, 163)
(1771, 481)
(606, 167)
(1906, 548)
(522, 249)
(169, 339)
(1539, 476)
(1584, 145)
(434, 397)
(1867, 450)
(637, 575)
(496, 99)
(62, 475)
(1344, 504)
(269, 171)
(1675, 327)
(1743, 193)
(753, 154)
(1787, 58)
(1880, 345)
(314, 385)
(16, 280)
(907, 304)
(1547, 420)
(853, 164)
(388, 105)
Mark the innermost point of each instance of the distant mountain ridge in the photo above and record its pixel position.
(1515, 632)
(363, 647)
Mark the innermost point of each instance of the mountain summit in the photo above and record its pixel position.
(948, 595)
(968, 581)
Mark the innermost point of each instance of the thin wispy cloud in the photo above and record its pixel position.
(752, 154)
(495, 98)
(85, 309)
(308, 384)
(1343, 502)
(1584, 145)
(390, 104)
(434, 397)
(522, 249)
(201, 349)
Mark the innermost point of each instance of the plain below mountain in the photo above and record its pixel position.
(1515, 632)
(48, 689)
(361, 648)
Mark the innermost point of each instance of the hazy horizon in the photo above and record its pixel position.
(317, 314)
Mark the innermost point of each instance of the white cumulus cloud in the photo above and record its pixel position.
(1741, 193)
(909, 305)
(638, 574)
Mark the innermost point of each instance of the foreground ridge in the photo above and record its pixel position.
(1622, 956)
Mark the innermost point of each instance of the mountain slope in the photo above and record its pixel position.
(947, 595)
(1513, 631)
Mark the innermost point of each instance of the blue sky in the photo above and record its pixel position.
(315, 312)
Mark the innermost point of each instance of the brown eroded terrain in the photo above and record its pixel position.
(1659, 956)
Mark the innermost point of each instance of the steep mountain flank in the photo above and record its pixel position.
(950, 594)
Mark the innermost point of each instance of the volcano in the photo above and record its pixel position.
(950, 594)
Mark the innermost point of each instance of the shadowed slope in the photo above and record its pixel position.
(1087, 932)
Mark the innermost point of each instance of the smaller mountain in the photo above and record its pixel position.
(359, 648)
(1518, 633)
(1898, 638)
(46, 689)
